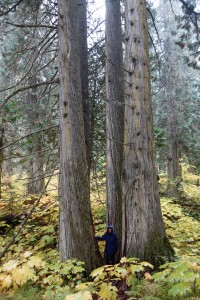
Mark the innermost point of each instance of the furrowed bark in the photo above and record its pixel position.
(143, 233)
(76, 232)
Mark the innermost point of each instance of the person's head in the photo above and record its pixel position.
(110, 229)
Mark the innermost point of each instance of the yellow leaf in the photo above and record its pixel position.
(7, 282)
(148, 277)
(10, 265)
(123, 260)
(83, 286)
(70, 297)
(80, 296)
(27, 254)
(108, 292)
(23, 274)
(17, 276)
(123, 272)
(37, 262)
(97, 272)
(86, 296)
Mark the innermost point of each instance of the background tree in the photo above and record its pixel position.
(82, 19)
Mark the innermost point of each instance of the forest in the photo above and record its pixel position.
(99, 126)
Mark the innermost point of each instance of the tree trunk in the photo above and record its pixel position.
(1, 151)
(76, 231)
(173, 149)
(35, 169)
(35, 172)
(82, 19)
(143, 234)
(114, 114)
(173, 153)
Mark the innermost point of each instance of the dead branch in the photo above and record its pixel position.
(27, 135)
(26, 88)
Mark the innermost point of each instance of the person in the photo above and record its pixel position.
(111, 247)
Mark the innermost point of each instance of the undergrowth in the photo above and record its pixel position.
(31, 269)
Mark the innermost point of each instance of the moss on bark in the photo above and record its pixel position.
(158, 250)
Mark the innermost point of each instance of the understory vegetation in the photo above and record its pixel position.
(31, 268)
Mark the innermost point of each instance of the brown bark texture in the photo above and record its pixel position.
(173, 151)
(143, 233)
(76, 232)
(173, 148)
(82, 24)
(1, 151)
(35, 171)
(114, 114)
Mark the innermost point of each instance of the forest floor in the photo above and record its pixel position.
(31, 268)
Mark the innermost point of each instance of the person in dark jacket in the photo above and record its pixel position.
(111, 245)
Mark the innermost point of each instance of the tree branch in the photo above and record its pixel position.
(190, 9)
(26, 88)
(27, 135)
(32, 25)
(10, 9)
(154, 24)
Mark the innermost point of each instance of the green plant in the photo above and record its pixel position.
(180, 278)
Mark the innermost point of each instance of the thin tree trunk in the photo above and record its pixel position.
(35, 169)
(76, 231)
(143, 233)
(173, 152)
(36, 161)
(82, 19)
(173, 149)
(114, 114)
(1, 151)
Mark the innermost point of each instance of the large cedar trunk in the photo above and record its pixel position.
(82, 19)
(114, 114)
(143, 234)
(76, 232)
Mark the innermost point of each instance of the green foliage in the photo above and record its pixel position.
(160, 137)
(181, 278)
(32, 270)
(26, 292)
(111, 281)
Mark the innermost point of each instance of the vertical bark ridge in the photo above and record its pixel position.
(114, 114)
(76, 238)
(82, 22)
(143, 228)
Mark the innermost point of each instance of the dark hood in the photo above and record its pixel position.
(110, 226)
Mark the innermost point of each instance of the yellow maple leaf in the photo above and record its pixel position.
(108, 292)
(123, 260)
(10, 265)
(80, 296)
(27, 254)
(17, 276)
(7, 282)
(37, 262)
(148, 277)
(83, 286)
(22, 275)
